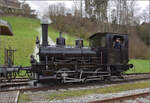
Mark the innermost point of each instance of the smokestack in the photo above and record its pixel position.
(44, 34)
(44, 24)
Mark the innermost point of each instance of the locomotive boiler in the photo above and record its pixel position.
(64, 63)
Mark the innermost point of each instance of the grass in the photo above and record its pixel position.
(79, 93)
(23, 98)
(23, 41)
(70, 40)
(140, 66)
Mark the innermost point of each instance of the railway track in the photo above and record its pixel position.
(13, 83)
(123, 98)
(22, 84)
(136, 73)
(4, 80)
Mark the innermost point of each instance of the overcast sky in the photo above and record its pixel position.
(41, 6)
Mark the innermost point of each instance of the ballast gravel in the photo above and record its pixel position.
(94, 97)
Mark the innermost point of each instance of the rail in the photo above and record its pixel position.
(112, 100)
(56, 86)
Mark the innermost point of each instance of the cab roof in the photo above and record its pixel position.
(103, 34)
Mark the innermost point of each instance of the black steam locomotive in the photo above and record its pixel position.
(101, 60)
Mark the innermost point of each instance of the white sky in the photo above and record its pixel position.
(40, 6)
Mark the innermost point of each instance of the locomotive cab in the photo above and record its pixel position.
(112, 49)
(117, 48)
(114, 46)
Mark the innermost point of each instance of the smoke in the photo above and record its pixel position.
(45, 20)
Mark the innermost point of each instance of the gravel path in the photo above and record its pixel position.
(94, 97)
(9, 97)
(93, 86)
(36, 50)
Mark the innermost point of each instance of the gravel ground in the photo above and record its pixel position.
(95, 97)
(79, 88)
(138, 100)
(41, 96)
(9, 97)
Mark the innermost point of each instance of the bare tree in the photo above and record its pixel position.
(57, 9)
(145, 15)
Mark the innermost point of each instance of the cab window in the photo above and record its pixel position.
(98, 41)
(118, 42)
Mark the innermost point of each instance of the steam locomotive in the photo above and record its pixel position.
(64, 63)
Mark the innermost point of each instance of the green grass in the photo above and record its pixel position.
(24, 98)
(79, 93)
(70, 40)
(140, 66)
(23, 41)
